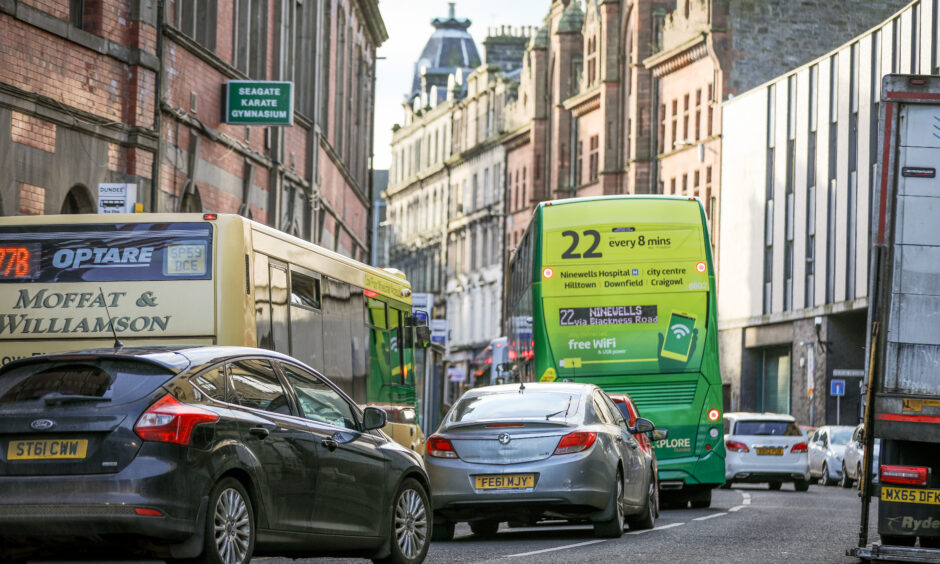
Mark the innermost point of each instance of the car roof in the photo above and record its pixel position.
(175, 358)
(530, 387)
(753, 416)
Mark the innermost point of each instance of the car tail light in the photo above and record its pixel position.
(147, 512)
(169, 421)
(439, 447)
(714, 415)
(799, 447)
(575, 442)
(736, 446)
(912, 475)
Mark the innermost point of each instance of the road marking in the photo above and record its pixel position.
(737, 507)
(747, 499)
(567, 546)
(709, 517)
(655, 529)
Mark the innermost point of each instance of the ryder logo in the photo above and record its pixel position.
(102, 256)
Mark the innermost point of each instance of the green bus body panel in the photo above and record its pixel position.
(623, 297)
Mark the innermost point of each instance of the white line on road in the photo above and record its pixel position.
(567, 546)
(709, 516)
(737, 507)
(747, 499)
(656, 529)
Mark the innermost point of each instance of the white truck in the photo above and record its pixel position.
(903, 395)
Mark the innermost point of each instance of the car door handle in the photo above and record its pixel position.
(259, 432)
(330, 444)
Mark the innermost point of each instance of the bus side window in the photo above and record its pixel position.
(263, 302)
(279, 315)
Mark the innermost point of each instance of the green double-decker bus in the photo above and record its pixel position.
(619, 291)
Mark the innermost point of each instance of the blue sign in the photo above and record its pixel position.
(837, 388)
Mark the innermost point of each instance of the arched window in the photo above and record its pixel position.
(192, 202)
(78, 200)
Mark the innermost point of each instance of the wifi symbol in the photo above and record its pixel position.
(679, 331)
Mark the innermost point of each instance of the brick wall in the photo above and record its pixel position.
(34, 132)
(32, 199)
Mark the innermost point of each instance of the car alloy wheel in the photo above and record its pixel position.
(613, 528)
(411, 527)
(845, 481)
(232, 524)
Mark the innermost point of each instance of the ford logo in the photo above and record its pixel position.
(503, 438)
(42, 424)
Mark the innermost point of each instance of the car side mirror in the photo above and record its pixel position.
(373, 418)
(643, 426)
(861, 435)
(659, 435)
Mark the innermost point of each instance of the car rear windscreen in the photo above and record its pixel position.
(768, 428)
(60, 383)
(513, 405)
(105, 252)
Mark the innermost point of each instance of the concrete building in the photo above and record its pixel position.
(130, 91)
(711, 50)
(798, 161)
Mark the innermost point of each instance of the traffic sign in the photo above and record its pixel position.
(837, 388)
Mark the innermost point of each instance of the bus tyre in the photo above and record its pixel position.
(801, 485)
(645, 519)
(845, 481)
(774, 485)
(486, 529)
(442, 529)
(702, 499)
(613, 527)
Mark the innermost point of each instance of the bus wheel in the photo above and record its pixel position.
(702, 499)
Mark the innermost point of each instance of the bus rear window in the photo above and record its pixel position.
(106, 252)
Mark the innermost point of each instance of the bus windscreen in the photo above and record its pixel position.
(106, 252)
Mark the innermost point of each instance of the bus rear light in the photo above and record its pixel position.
(799, 447)
(713, 414)
(910, 475)
(575, 442)
(210, 216)
(736, 446)
(439, 447)
(169, 421)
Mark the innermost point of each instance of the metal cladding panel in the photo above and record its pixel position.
(918, 270)
(920, 126)
(917, 218)
(918, 368)
(919, 319)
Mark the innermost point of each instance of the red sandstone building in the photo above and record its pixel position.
(79, 80)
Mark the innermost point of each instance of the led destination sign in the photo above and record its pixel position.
(19, 262)
(607, 315)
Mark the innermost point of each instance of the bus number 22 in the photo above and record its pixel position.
(590, 253)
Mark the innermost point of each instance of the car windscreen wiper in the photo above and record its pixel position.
(56, 398)
(565, 410)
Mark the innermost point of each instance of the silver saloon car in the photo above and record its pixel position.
(524, 452)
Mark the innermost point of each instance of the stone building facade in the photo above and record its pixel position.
(131, 91)
(715, 49)
(798, 164)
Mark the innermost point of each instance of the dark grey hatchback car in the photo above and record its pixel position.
(207, 454)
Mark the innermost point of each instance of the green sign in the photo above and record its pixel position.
(259, 102)
(624, 287)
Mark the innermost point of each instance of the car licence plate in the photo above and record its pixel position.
(47, 449)
(505, 482)
(773, 451)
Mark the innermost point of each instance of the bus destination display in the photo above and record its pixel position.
(19, 262)
(607, 315)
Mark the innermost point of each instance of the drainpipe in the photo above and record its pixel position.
(157, 113)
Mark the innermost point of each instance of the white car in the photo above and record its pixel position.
(826, 448)
(854, 457)
(765, 447)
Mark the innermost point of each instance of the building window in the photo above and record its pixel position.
(662, 128)
(774, 382)
(197, 20)
(591, 62)
(594, 157)
(251, 17)
(578, 168)
(77, 13)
